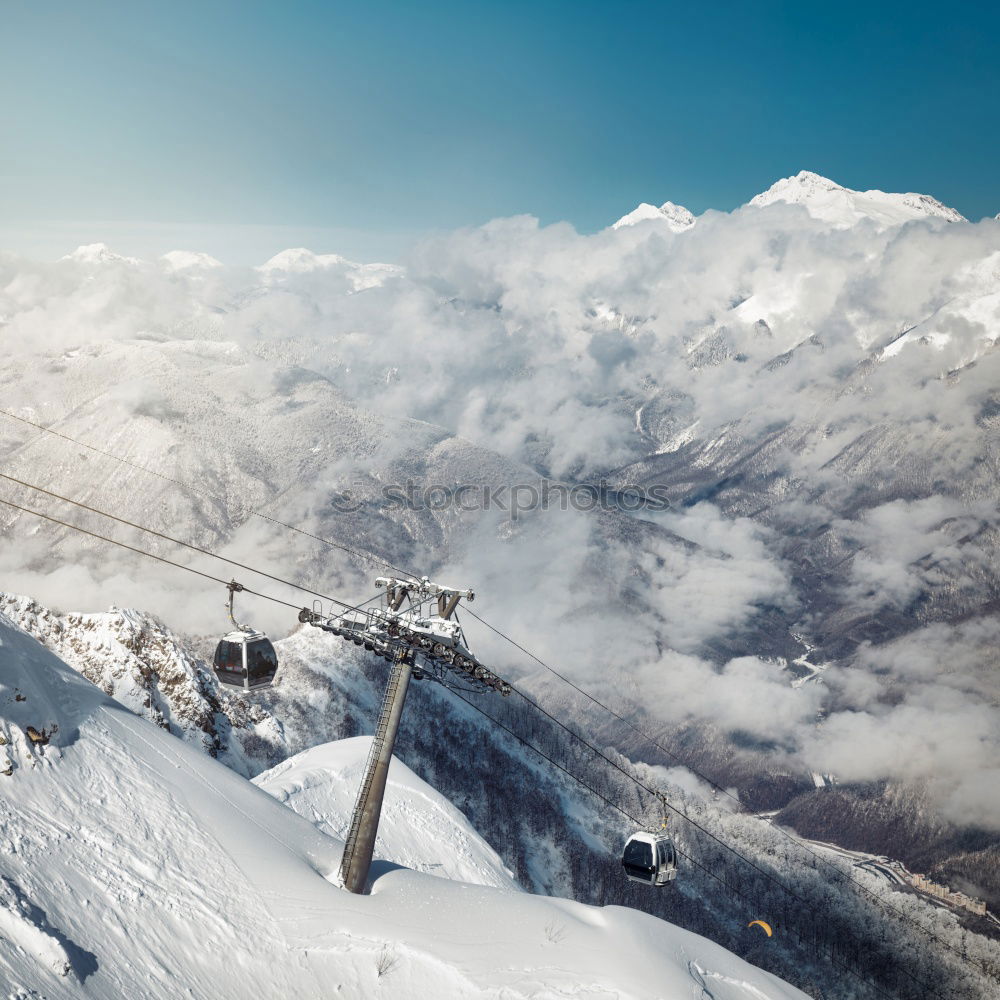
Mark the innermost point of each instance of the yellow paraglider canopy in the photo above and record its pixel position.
(761, 923)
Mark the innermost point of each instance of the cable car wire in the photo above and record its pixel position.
(875, 897)
(646, 736)
(887, 907)
(143, 552)
(177, 541)
(371, 556)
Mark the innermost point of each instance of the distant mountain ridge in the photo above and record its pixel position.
(677, 217)
(822, 198)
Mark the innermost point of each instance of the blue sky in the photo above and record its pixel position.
(362, 126)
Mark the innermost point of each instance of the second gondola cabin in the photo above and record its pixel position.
(245, 659)
(650, 858)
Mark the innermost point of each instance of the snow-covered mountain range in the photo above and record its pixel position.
(840, 206)
(822, 198)
(813, 391)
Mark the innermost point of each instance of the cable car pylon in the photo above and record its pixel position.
(417, 630)
(360, 844)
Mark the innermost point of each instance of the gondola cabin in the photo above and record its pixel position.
(245, 659)
(650, 858)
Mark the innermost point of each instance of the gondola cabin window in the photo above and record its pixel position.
(262, 662)
(229, 662)
(639, 855)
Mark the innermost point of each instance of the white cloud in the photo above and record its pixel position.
(541, 346)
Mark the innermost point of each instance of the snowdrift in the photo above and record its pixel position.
(419, 828)
(134, 865)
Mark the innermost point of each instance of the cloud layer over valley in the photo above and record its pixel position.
(820, 403)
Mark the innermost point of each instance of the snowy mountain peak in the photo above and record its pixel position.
(805, 182)
(826, 200)
(300, 259)
(677, 217)
(97, 253)
(184, 260)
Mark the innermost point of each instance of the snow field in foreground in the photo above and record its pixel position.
(134, 865)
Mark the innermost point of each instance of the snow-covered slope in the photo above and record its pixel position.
(419, 828)
(676, 217)
(138, 661)
(134, 865)
(842, 207)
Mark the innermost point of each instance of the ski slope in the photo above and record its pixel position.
(135, 866)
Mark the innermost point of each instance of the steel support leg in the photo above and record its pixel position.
(360, 843)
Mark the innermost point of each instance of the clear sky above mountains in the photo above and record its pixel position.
(356, 127)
